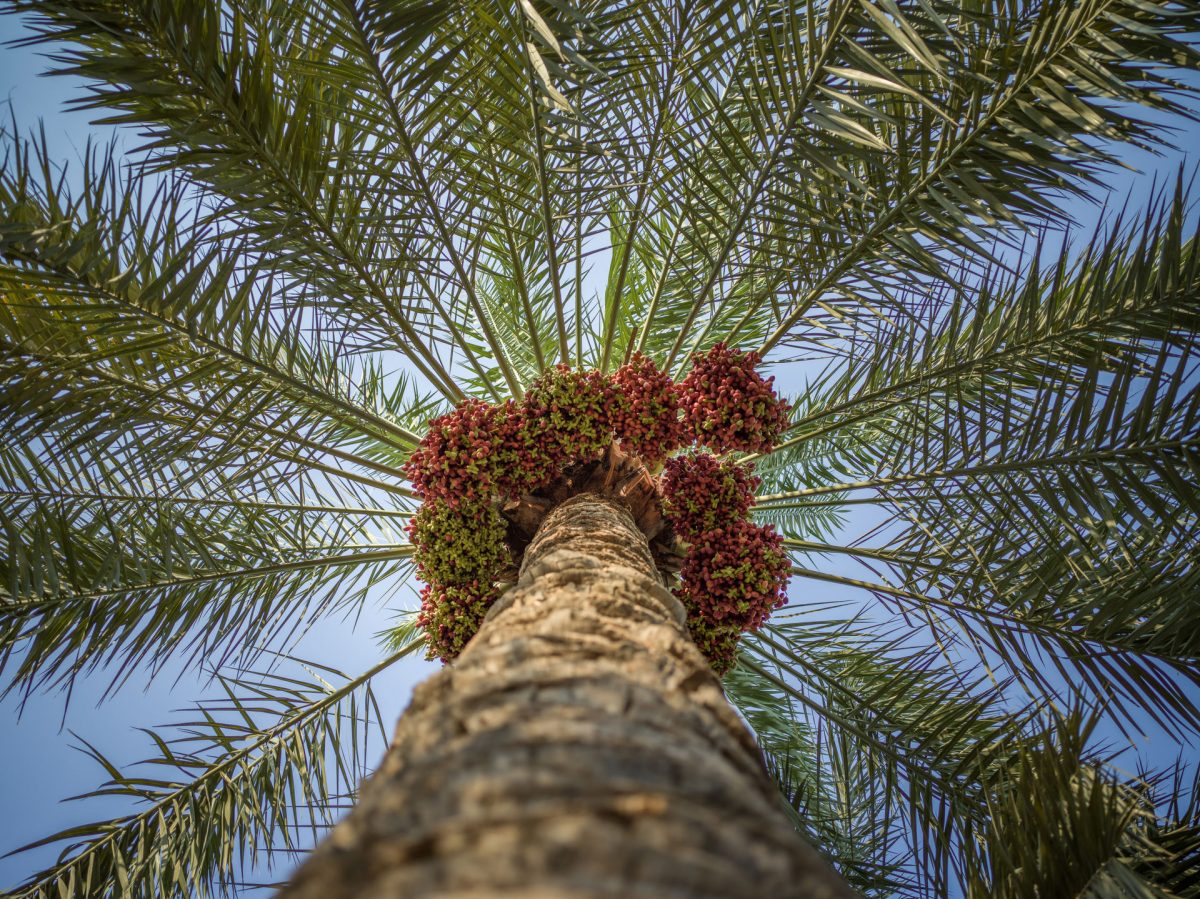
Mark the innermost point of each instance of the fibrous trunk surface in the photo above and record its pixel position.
(579, 747)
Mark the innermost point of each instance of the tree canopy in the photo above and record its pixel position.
(218, 350)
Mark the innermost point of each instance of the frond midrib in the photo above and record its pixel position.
(866, 242)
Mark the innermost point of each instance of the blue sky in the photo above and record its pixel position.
(42, 765)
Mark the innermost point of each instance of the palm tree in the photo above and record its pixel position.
(342, 218)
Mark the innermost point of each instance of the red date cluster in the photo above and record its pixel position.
(735, 572)
(701, 493)
(645, 417)
(737, 575)
(480, 454)
(471, 454)
(728, 405)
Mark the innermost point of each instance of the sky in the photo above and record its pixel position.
(37, 740)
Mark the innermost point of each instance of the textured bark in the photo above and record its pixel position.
(579, 747)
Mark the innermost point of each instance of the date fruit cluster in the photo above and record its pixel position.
(481, 455)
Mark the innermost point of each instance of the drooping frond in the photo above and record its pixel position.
(123, 260)
(230, 106)
(91, 583)
(180, 467)
(1052, 89)
(820, 806)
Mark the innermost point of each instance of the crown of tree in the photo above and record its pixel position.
(379, 281)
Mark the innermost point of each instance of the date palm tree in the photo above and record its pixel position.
(342, 218)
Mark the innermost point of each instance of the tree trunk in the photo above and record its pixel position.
(579, 747)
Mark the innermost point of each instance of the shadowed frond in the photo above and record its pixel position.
(1128, 836)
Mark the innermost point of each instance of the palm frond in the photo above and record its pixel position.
(1055, 87)
(91, 584)
(260, 773)
(122, 257)
(899, 744)
(812, 794)
(1124, 839)
(244, 115)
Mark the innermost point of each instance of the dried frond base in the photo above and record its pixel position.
(617, 476)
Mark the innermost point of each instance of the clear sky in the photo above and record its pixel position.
(41, 764)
